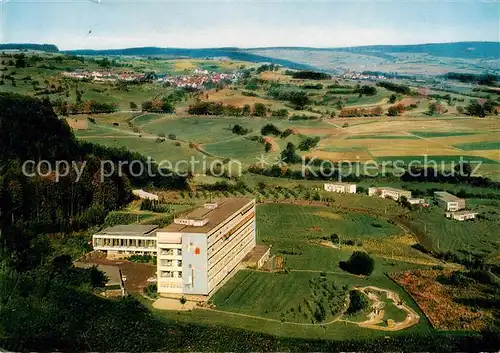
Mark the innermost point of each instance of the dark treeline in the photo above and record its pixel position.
(310, 75)
(326, 170)
(29, 46)
(217, 109)
(62, 107)
(403, 89)
(481, 79)
(430, 175)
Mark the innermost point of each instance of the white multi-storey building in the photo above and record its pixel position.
(198, 253)
(341, 187)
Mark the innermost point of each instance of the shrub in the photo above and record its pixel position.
(360, 263)
(357, 302)
(239, 130)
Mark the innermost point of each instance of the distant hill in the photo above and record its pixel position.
(465, 50)
(301, 58)
(230, 53)
(28, 46)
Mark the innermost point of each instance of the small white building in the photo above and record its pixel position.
(145, 195)
(392, 193)
(344, 188)
(124, 240)
(416, 201)
(461, 215)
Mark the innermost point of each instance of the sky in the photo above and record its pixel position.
(103, 24)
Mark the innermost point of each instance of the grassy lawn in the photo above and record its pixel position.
(286, 297)
(238, 148)
(479, 236)
(201, 130)
(147, 118)
(241, 295)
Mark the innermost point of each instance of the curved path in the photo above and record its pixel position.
(377, 314)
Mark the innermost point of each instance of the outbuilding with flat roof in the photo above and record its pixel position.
(448, 201)
(125, 240)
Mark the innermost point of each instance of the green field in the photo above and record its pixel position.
(238, 148)
(442, 134)
(479, 237)
(381, 137)
(437, 159)
(487, 145)
(277, 296)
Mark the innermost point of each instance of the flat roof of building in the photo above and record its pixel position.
(129, 229)
(389, 188)
(339, 183)
(112, 272)
(225, 208)
(463, 213)
(446, 196)
(256, 253)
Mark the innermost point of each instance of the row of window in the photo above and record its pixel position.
(171, 263)
(171, 274)
(219, 277)
(228, 262)
(215, 253)
(225, 228)
(170, 285)
(171, 252)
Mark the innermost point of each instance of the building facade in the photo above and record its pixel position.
(198, 253)
(145, 195)
(416, 201)
(125, 240)
(392, 193)
(340, 187)
(461, 215)
(448, 201)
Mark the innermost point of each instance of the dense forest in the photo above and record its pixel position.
(44, 202)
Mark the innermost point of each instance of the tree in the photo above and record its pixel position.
(239, 130)
(396, 110)
(247, 110)
(360, 263)
(299, 99)
(393, 98)
(133, 106)
(357, 302)
(368, 90)
(436, 108)
(268, 147)
(259, 109)
(477, 108)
